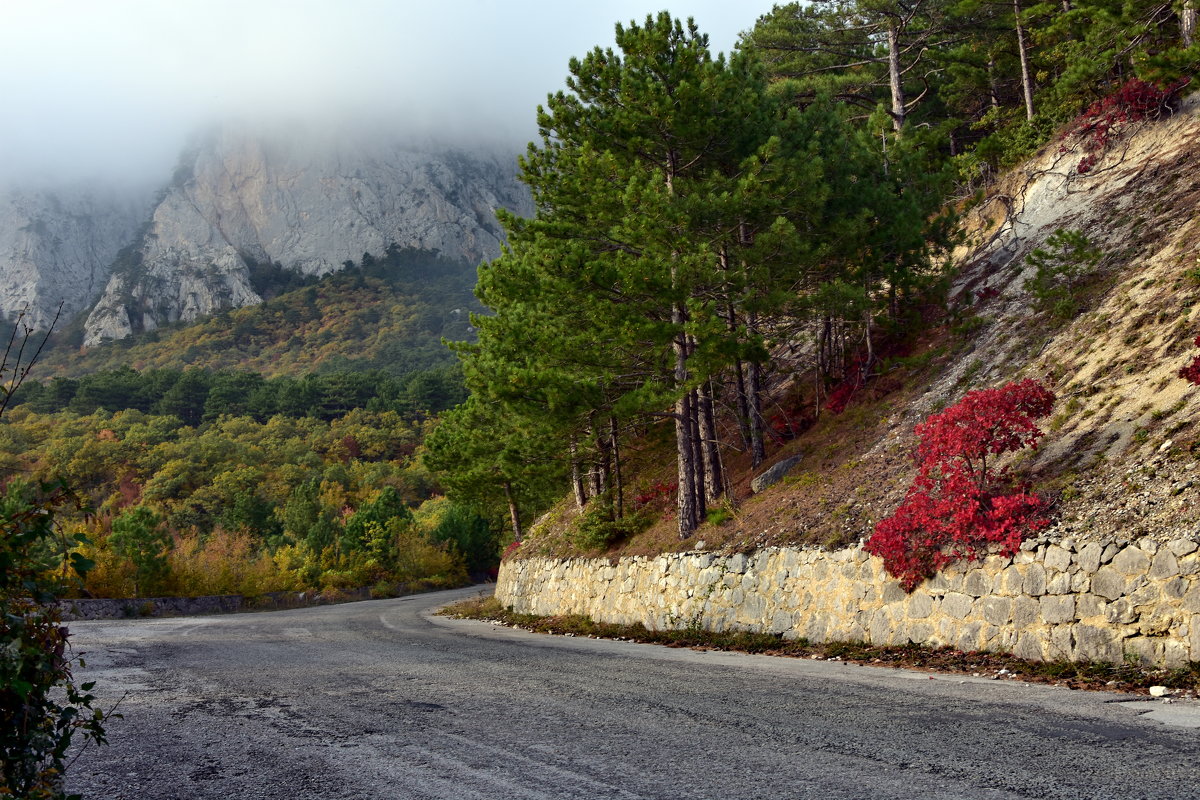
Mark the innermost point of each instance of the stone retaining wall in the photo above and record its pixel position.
(1053, 600)
(96, 608)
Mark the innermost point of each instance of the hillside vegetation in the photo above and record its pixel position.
(388, 313)
(736, 262)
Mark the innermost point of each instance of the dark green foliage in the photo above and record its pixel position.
(1068, 258)
(373, 517)
(306, 519)
(599, 528)
(471, 535)
(196, 395)
(139, 535)
(42, 710)
(988, 83)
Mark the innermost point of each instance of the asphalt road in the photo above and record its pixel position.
(380, 700)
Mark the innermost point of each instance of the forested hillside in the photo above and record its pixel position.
(735, 260)
(264, 448)
(388, 313)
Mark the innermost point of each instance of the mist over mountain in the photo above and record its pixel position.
(58, 242)
(242, 200)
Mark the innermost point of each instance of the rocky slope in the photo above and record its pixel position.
(1122, 447)
(243, 199)
(57, 244)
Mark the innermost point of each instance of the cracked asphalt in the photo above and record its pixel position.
(382, 700)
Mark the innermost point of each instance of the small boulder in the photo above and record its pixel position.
(775, 474)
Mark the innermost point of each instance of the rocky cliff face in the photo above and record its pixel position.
(57, 244)
(240, 199)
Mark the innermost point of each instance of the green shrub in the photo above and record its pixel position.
(1068, 258)
(598, 528)
(41, 707)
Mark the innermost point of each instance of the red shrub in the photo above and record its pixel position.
(1192, 371)
(958, 505)
(987, 293)
(1135, 100)
(839, 398)
(656, 494)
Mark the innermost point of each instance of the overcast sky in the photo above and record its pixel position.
(113, 87)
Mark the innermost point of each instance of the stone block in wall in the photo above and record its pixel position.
(1057, 558)
(1191, 596)
(1088, 557)
(1109, 583)
(1144, 592)
(1061, 643)
(970, 637)
(1010, 581)
(892, 593)
(920, 605)
(1025, 612)
(1057, 609)
(1081, 582)
(920, 632)
(1035, 580)
(1143, 650)
(1029, 645)
(1059, 583)
(1175, 653)
(977, 583)
(1121, 612)
(997, 610)
(881, 627)
(1132, 560)
(957, 605)
(1094, 643)
(1159, 624)
(1165, 565)
(936, 585)
(1089, 605)
(1182, 547)
(1194, 638)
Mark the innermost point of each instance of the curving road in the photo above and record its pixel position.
(381, 700)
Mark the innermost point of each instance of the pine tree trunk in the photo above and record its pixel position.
(577, 484)
(713, 479)
(513, 513)
(897, 88)
(618, 486)
(1187, 23)
(743, 407)
(993, 90)
(699, 477)
(603, 465)
(685, 502)
(758, 452)
(743, 410)
(1026, 81)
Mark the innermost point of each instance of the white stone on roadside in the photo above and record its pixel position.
(1159, 691)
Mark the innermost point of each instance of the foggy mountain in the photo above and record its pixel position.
(238, 201)
(57, 244)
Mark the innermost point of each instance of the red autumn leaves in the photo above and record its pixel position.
(960, 504)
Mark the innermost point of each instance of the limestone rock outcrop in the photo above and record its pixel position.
(57, 244)
(241, 198)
